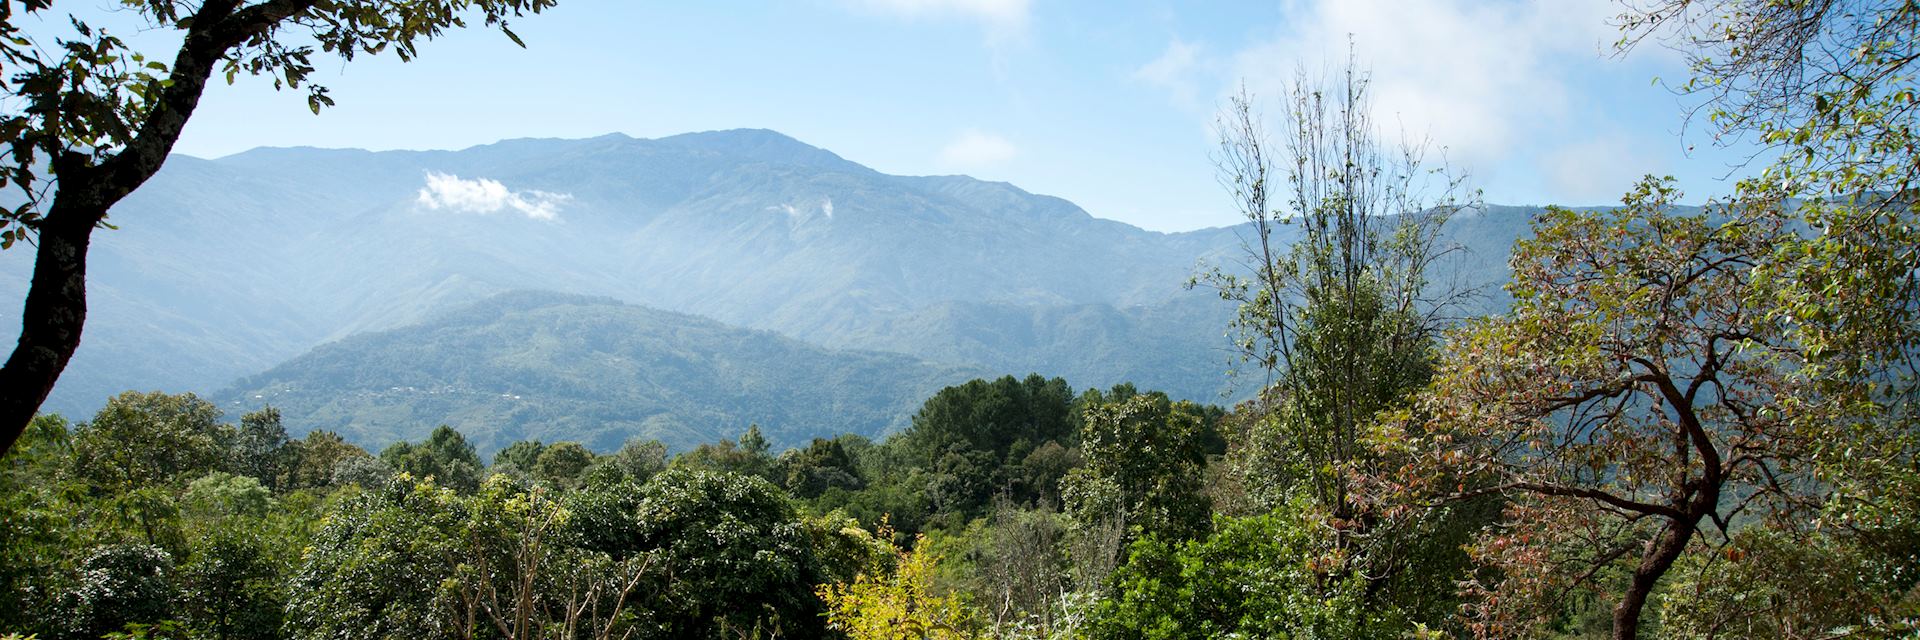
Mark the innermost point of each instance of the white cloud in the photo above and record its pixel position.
(447, 191)
(1172, 66)
(1175, 71)
(1479, 78)
(1598, 169)
(977, 149)
(802, 212)
(998, 14)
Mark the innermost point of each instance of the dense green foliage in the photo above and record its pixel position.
(975, 440)
(445, 456)
(1254, 577)
(183, 535)
(1144, 457)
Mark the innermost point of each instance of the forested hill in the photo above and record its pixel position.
(225, 268)
(543, 366)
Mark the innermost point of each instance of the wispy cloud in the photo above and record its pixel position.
(977, 150)
(1177, 70)
(482, 195)
(1594, 170)
(1479, 78)
(801, 212)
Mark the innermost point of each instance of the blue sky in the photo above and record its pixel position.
(1108, 104)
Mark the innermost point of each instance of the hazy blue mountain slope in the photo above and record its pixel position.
(1175, 347)
(222, 268)
(183, 295)
(561, 367)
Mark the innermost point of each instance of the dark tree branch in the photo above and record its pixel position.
(1573, 492)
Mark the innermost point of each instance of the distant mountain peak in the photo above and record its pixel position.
(753, 134)
(765, 145)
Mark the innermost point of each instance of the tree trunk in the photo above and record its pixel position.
(56, 308)
(56, 305)
(1659, 558)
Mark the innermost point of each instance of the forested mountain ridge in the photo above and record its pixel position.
(530, 365)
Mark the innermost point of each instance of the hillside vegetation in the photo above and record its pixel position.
(543, 366)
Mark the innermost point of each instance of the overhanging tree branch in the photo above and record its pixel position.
(77, 118)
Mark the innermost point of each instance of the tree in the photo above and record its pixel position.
(971, 438)
(317, 456)
(824, 464)
(1257, 577)
(121, 584)
(1019, 568)
(639, 459)
(517, 459)
(1144, 457)
(219, 495)
(232, 587)
(1802, 582)
(346, 587)
(1043, 470)
(737, 549)
(754, 442)
(261, 448)
(366, 471)
(95, 120)
(1342, 323)
(37, 529)
(737, 554)
(893, 489)
(524, 576)
(1829, 84)
(1644, 398)
(502, 563)
(1749, 406)
(746, 456)
(141, 442)
(562, 464)
(895, 599)
(444, 455)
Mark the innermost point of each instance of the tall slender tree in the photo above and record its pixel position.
(1343, 320)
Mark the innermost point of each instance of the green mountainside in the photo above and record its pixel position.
(545, 366)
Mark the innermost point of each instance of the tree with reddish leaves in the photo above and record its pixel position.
(1647, 397)
(1692, 404)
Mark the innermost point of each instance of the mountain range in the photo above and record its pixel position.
(223, 272)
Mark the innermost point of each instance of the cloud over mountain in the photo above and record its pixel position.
(451, 192)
